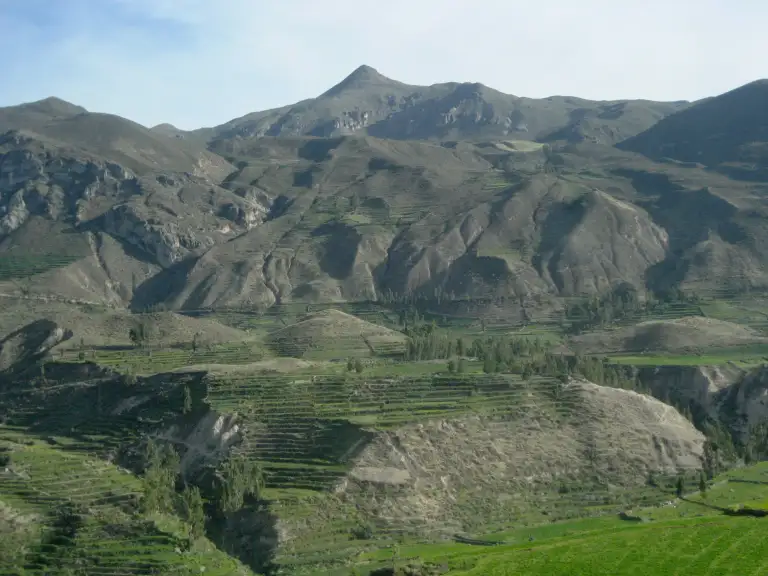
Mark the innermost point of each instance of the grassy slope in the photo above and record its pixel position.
(115, 538)
(687, 538)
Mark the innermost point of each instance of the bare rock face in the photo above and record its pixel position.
(22, 348)
(744, 404)
(167, 216)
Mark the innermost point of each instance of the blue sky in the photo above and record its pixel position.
(200, 63)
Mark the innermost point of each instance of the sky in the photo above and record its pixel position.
(196, 63)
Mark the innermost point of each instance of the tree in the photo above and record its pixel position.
(350, 365)
(161, 469)
(462, 366)
(194, 514)
(235, 480)
(358, 366)
(187, 400)
(144, 332)
(452, 366)
(489, 365)
(460, 350)
(527, 372)
(702, 485)
(680, 488)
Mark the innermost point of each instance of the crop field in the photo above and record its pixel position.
(108, 537)
(691, 536)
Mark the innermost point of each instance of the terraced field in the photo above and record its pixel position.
(305, 422)
(105, 536)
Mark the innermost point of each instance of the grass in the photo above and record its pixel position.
(700, 546)
(148, 361)
(689, 538)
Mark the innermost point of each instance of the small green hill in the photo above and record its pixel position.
(333, 333)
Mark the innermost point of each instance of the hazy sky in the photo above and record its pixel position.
(202, 62)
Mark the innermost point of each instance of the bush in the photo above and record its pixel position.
(362, 532)
(358, 366)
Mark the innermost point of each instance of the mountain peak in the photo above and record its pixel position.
(361, 77)
(55, 107)
(365, 72)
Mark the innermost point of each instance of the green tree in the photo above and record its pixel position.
(462, 366)
(350, 365)
(702, 485)
(680, 487)
(236, 479)
(452, 366)
(358, 366)
(489, 365)
(162, 468)
(527, 371)
(194, 514)
(187, 400)
(460, 349)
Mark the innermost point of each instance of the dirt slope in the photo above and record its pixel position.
(434, 469)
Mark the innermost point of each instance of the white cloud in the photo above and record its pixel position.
(198, 62)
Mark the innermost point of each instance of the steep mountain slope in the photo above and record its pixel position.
(729, 132)
(367, 102)
(95, 214)
(363, 217)
(95, 208)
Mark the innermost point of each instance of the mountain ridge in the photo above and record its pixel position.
(543, 204)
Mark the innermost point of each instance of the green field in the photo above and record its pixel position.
(690, 537)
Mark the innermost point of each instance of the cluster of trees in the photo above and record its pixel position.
(236, 480)
(427, 342)
(621, 303)
(355, 365)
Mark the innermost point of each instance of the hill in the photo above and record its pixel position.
(430, 470)
(728, 132)
(333, 330)
(90, 326)
(690, 334)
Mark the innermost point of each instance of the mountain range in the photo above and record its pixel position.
(378, 190)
